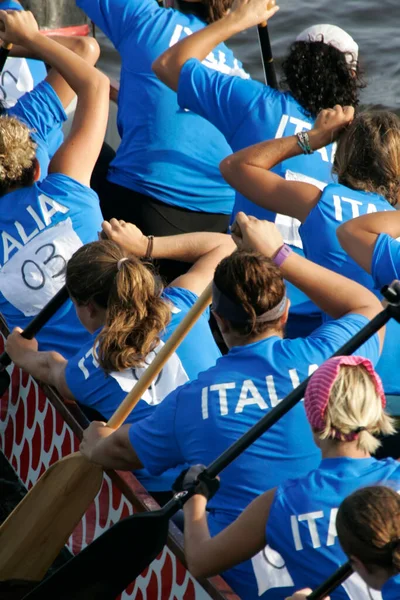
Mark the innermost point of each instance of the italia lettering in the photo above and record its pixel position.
(313, 535)
(25, 233)
(285, 129)
(232, 397)
(81, 364)
(340, 204)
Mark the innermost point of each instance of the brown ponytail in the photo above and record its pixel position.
(368, 527)
(136, 314)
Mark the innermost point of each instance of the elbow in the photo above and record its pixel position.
(343, 232)
(227, 168)
(159, 67)
(196, 568)
(166, 71)
(87, 48)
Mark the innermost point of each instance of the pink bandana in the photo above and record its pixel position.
(318, 390)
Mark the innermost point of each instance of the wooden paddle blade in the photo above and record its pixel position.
(35, 532)
(109, 564)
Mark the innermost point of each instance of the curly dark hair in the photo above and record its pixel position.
(318, 76)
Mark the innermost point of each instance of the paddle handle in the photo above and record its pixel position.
(293, 398)
(40, 320)
(4, 52)
(124, 410)
(266, 55)
(332, 582)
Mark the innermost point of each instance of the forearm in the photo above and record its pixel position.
(115, 451)
(332, 293)
(197, 534)
(168, 65)
(189, 247)
(41, 365)
(82, 78)
(86, 47)
(358, 236)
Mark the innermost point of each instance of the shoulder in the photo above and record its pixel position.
(67, 187)
(181, 298)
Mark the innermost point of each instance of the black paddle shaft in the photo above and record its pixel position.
(332, 582)
(39, 321)
(267, 57)
(116, 558)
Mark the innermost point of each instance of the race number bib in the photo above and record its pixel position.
(288, 226)
(270, 571)
(16, 79)
(36, 272)
(172, 375)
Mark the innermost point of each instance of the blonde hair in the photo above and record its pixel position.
(368, 527)
(17, 155)
(136, 314)
(353, 403)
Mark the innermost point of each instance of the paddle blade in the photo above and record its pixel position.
(35, 532)
(109, 564)
(4, 382)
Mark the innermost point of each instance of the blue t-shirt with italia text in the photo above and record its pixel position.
(41, 227)
(165, 152)
(103, 392)
(203, 418)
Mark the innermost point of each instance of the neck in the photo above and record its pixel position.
(337, 449)
(233, 339)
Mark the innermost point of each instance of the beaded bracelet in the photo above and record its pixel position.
(303, 141)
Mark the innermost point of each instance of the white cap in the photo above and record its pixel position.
(333, 36)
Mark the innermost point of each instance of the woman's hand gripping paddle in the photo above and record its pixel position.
(35, 532)
(32, 329)
(106, 567)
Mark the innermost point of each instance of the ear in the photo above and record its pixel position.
(92, 310)
(359, 567)
(37, 172)
(285, 315)
(223, 324)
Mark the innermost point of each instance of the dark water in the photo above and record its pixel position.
(373, 24)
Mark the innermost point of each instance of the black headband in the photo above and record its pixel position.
(232, 311)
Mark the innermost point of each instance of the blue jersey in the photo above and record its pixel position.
(42, 111)
(248, 112)
(385, 266)
(302, 523)
(21, 75)
(199, 421)
(391, 589)
(182, 151)
(41, 227)
(92, 387)
(337, 205)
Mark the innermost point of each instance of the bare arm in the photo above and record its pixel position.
(204, 249)
(243, 15)
(78, 154)
(109, 448)
(358, 236)
(248, 170)
(85, 47)
(48, 367)
(245, 537)
(332, 293)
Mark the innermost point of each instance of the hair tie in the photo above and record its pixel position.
(121, 260)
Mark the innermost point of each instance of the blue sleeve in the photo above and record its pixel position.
(118, 18)
(41, 110)
(333, 334)
(66, 189)
(183, 299)
(154, 438)
(385, 260)
(10, 5)
(224, 100)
